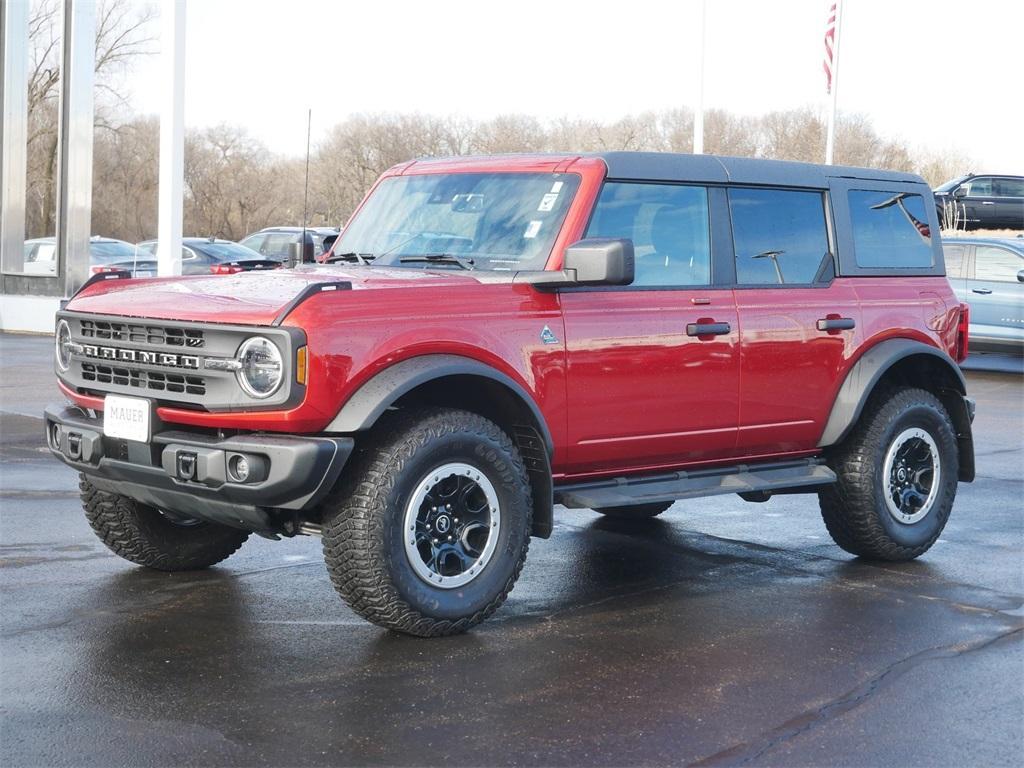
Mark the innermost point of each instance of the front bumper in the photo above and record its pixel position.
(190, 473)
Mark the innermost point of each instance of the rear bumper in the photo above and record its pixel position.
(191, 473)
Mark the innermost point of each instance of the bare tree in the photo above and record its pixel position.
(122, 34)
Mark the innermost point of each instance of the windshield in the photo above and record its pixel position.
(495, 221)
(108, 251)
(226, 251)
(950, 184)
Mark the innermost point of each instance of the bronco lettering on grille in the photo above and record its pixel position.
(138, 356)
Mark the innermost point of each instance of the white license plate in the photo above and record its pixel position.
(126, 417)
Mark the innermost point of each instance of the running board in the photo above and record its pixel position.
(770, 478)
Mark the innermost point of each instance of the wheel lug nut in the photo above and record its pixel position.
(449, 538)
(434, 541)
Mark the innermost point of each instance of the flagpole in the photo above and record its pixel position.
(698, 117)
(830, 140)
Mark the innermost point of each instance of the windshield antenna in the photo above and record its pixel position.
(305, 193)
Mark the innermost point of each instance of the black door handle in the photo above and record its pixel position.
(836, 324)
(707, 329)
(982, 291)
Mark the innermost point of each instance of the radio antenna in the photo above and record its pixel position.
(305, 193)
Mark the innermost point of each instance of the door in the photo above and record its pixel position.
(980, 203)
(1009, 192)
(995, 295)
(798, 325)
(653, 368)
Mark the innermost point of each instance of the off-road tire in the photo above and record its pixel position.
(142, 535)
(854, 509)
(363, 530)
(637, 511)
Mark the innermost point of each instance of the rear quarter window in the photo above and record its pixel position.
(890, 230)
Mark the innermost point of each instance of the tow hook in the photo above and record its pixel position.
(75, 446)
(186, 465)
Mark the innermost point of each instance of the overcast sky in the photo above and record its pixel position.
(935, 73)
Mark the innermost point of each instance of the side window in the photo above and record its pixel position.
(954, 260)
(890, 230)
(979, 187)
(998, 264)
(1010, 187)
(780, 236)
(669, 227)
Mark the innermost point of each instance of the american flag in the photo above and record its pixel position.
(830, 40)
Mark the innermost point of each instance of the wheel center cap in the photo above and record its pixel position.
(443, 524)
(902, 474)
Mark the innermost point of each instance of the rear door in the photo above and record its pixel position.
(798, 325)
(995, 295)
(653, 368)
(1010, 201)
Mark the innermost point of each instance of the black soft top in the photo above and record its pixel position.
(666, 166)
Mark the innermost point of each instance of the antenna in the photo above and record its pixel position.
(305, 193)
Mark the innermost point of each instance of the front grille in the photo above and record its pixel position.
(139, 333)
(141, 379)
(176, 364)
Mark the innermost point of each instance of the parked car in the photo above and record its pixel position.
(985, 202)
(988, 274)
(612, 331)
(277, 242)
(41, 254)
(199, 256)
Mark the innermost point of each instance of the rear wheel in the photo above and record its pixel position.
(431, 531)
(146, 536)
(637, 511)
(897, 478)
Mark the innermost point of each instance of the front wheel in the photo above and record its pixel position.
(430, 533)
(897, 477)
(160, 540)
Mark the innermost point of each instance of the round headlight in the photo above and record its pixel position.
(262, 368)
(62, 345)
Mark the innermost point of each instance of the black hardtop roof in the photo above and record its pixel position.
(667, 166)
(721, 169)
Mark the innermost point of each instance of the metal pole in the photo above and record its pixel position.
(74, 184)
(13, 132)
(698, 117)
(830, 137)
(172, 139)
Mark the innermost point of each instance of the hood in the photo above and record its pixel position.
(246, 298)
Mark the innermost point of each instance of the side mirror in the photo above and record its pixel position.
(1020, 276)
(960, 192)
(600, 262)
(588, 262)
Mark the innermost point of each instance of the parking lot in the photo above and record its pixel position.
(722, 633)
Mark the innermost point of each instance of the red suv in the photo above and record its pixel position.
(497, 335)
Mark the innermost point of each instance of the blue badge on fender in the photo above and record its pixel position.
(547, 336)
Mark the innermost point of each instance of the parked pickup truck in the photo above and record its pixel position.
(498, 335)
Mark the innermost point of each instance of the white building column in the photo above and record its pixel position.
(172, 138)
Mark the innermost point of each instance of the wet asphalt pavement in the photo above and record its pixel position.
(723, 633)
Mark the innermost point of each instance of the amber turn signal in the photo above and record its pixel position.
(300, 365)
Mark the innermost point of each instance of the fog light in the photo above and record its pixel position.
(239, 466)
(56, 436)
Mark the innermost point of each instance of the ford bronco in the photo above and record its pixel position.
(493, 336)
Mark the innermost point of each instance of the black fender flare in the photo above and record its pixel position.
(366, 405)
(865, 374)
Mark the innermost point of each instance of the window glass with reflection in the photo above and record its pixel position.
(890, 230)
(668, 225)
(780, 236)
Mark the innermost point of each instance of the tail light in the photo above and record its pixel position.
(100, 270)
(225, 269)
(962, 331)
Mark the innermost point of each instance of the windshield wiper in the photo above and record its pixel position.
(361, 258)
(438, 258)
